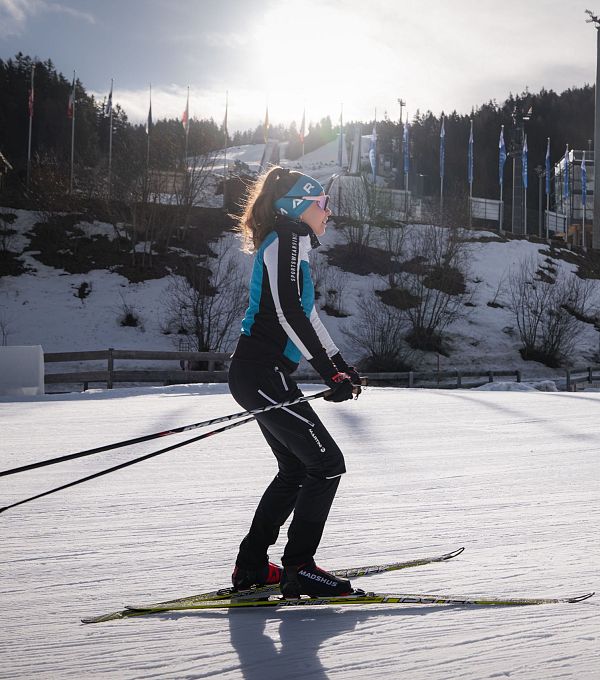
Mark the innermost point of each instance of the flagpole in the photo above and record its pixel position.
(583, 197)
(501, 208)
(72, 135)
(502, 160)
(341, 144)
(406, 159)
(525, 229)
(442, 160)
(30, 103)
(547, 217)
(110, 134)
(374, 142)
(567, 195)
(187, 126)
(225, 157)
(547, 176)
(302, 129)
(266, 126)
(471, 176)
(525, 170)
(148, 132)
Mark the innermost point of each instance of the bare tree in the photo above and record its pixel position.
(497, 299)
(206, 303)
(6, 329)
(330, 283)
(377, 333)
(357, 235)
(182, 190)
(7, 235)
(362, 205)
(393, 239)
(546, 311)
(434, 276)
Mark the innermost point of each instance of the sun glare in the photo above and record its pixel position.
(304, 59)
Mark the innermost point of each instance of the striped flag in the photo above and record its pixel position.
(502, 156)
(442, 148)
(470, 157)
(548, 168)
(524, 162)
(71, 102)
(185, 116)
(583, 181)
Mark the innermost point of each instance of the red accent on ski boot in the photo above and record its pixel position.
(243, 579)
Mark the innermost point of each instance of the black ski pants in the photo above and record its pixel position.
(310, 466)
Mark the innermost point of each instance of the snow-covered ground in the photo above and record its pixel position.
(40, 307)
(513, 476)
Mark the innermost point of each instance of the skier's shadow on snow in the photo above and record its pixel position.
(286, 643)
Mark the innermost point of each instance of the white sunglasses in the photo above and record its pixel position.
(322, 200)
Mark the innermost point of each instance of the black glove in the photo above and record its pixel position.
(341, 388)
(354, 376)
(341, 365)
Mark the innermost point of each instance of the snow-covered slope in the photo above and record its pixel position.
(40, 307)
(516, 482)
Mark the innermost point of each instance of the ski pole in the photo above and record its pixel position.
(156, 435)
(128, 463)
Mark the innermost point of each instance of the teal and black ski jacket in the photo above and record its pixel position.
(281, 323)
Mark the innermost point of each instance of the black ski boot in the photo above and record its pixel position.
(243, 579)
(308, 579)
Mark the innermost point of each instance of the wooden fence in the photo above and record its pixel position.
(185, 374)
(579, 376)
(441, 379)
(216, 371)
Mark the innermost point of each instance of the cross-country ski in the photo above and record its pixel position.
(265, 591)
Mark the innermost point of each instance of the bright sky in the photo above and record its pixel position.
(434, 54)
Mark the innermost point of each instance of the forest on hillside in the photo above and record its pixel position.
(567, 118)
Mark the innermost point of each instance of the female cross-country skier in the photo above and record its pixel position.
(284, 215)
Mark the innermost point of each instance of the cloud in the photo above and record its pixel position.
(14, 14)
(225, 40)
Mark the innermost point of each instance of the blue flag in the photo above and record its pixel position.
(524, 162)
(502, 156)
(548, 168)
(442, 148)
(405, 149)
(373, 152)
(583, 181)
(566, 175)
(470, 157)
